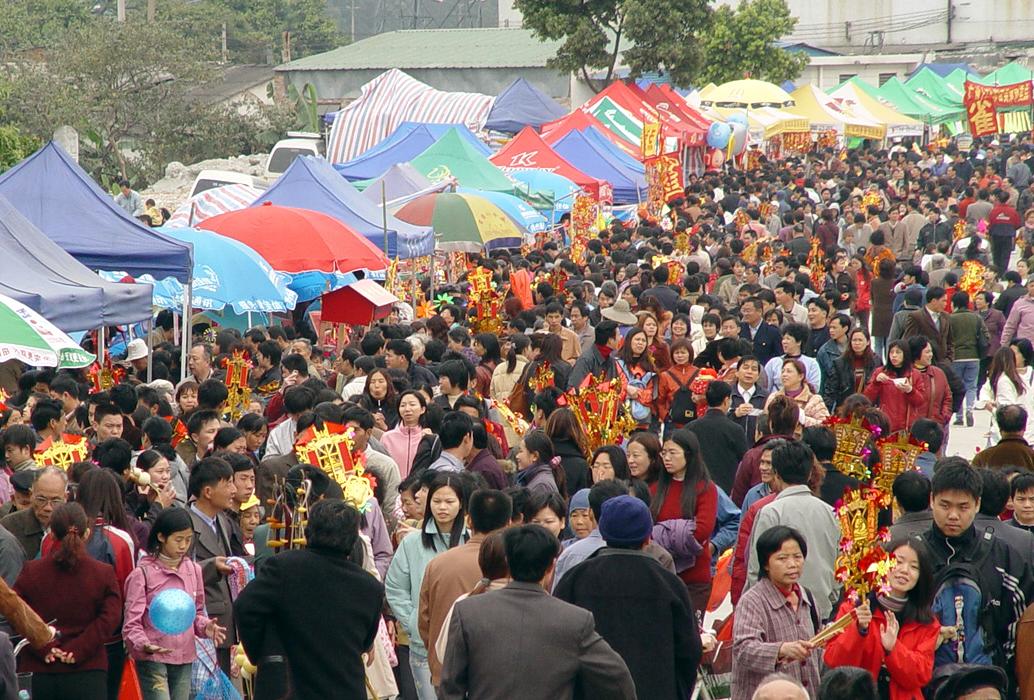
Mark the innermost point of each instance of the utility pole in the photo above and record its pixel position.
(120, 10)
(225, 53)
(152, 10)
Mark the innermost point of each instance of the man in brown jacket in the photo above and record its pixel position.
(1012, 450)
(455, 572)
(932, 322)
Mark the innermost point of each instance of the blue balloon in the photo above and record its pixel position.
(172, 611)
(738, 118)
(718, 135)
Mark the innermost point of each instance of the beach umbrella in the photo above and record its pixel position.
(298, 240)
(747, 94)
(27, 336)
(563, 190)
(461, 222)
(523, 214)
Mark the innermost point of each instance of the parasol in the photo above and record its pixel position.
(27, 336)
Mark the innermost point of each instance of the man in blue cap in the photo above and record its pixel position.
(641, 610)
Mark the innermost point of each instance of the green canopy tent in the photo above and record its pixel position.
(919, 107)
(1008, 74)
(936, 89)
(452, 157)
(957, 79)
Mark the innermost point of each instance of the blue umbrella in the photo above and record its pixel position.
(226, 273)
(563, 190)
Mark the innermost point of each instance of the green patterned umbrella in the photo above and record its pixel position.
(27, 336)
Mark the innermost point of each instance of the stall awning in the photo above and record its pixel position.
(358, 304)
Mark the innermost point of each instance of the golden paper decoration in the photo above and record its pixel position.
(332, 450)
(853, 435)
(62, 453)
(238, 390)
(897, 455)
(862, 565)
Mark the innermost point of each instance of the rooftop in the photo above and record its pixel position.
(230, 81)
(411, 49)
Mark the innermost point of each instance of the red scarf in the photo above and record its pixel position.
(605, 350)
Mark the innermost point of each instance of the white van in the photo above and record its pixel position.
(286, 150)
(210, 179)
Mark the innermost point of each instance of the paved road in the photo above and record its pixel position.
(964, 442)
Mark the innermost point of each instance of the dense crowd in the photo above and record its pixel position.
(500, 555)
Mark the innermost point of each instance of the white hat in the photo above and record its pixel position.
(136, 350)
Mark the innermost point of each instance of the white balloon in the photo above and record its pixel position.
(739, 138)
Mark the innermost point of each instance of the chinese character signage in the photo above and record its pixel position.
(650, 144)
(983, 101)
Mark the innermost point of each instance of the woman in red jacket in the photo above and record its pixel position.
(894, 634)
(83, 598)
(898, 388)
(938, 394)
(684, 492)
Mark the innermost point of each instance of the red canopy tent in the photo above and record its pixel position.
(691, 128)
(626, 97)
(529, 151)
(555, 130)
(358, 304)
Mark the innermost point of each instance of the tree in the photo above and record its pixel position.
(647, 34)
(741, 42)
(30, 24)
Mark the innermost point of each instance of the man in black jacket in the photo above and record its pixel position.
(722, 441)
(325, 607)
(964, 555)
(641, 610)
(767, 340)
(596, 359)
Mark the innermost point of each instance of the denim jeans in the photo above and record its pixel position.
(421, 676)
(879, 348)
(967, 371)
(160, 681)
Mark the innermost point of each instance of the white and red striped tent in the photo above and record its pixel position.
(394, 97)
(213, 202)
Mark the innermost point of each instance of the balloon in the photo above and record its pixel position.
(718, 135)
(172, 611)
(739, 138)
(738, 118)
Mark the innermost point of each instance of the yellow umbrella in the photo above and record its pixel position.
(747, 94)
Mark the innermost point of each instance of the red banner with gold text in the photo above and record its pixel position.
(983, 101)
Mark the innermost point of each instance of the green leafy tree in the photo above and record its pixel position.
(29, 24)
(741, 42)
(647, 35)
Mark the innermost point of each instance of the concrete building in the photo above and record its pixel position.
(459, 60)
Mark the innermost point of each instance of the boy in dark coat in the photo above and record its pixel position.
(643, 611)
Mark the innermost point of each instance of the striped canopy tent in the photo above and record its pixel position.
(823, 114)
(394, 97)
(213, 202)
(849, 96)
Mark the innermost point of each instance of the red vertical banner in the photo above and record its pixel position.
(983, 101)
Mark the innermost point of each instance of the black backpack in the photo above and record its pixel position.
(683, 409)
(427, 451)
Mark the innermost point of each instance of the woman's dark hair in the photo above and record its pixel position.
(492, 557)
(919, 607)
(1025, 348)
(652, 444)
(68, 524)
(563, 425)
(148, 459)
(224, 437)
(490, 342)
(389, 397)
(541, 499)
(906, 361)
(771, 541)
(1004, 362)
(886, 267)
(867, 354)
(618, 461)
(459, 486)
(799, 366)
(551, 349)
(695, 477)
(252, 423)
(630, 360)
(170, 520)
(420, 399)
(847, 683)
(100, 495)
(518, 344)
(537, 441)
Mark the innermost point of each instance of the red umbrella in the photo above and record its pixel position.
(298, 240)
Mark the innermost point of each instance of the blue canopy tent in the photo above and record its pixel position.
(404, 144)
(62, 201)
(602, 141)
(577, 149)
(39, 274)
(562, 190)
(312, 183)
(521, 104)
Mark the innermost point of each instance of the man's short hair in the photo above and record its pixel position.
(1022, 482)
(295, 363)
(530, 551)
(271, 351)
(19, 436)
(930, 432)
(1011, 418)
(45, 411)
(360, 416)
(456, 425)
(793, 462)
(955, 474)
(456, 372)
(821, 440)
(716, 393)
(489, 510)
(114, 454)
(994, 492)
(104, 409)
(605, 330)
(401, 346)
(912, 491)
(603, 491)
(208, 472)
(298, 399)
(212, 393)
(157, 429)
(198, 419)
(123, 396)
(63, 384)
(935, 293)
(333, 525)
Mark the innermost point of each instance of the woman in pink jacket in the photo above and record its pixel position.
(164, 661)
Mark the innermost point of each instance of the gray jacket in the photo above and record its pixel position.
(520, 642)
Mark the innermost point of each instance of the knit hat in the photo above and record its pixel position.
(579, 501)
(624, 521)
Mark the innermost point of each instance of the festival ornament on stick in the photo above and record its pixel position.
(332, 449)
(599, 408)
(897, 455)
(238, 390)
(62, 453)
(852, 451)
(104, 377)
(486, 300)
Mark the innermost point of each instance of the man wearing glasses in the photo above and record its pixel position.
(49, 490)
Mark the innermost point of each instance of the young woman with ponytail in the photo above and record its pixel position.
(539, 467)
(83, 598)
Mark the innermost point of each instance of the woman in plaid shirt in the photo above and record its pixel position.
(775, 618)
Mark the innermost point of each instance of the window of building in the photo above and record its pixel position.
(884, 77)
(844, 77)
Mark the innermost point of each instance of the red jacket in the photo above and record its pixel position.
(85, 602)
(909, 663)
(668, 384)
(740, 555)
(901, 409)
(938, 395)
(748, 474)
(706, 516)
(1003, 221)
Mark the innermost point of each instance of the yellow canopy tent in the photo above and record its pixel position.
(824, 114)
(746, 94)
(849, 97)
(764, 122)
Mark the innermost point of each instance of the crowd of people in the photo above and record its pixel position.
(502, 554)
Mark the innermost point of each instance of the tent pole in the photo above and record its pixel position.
(185, 341)
(150, 349)
(101, 343)
(384, 217)
(249, 321)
